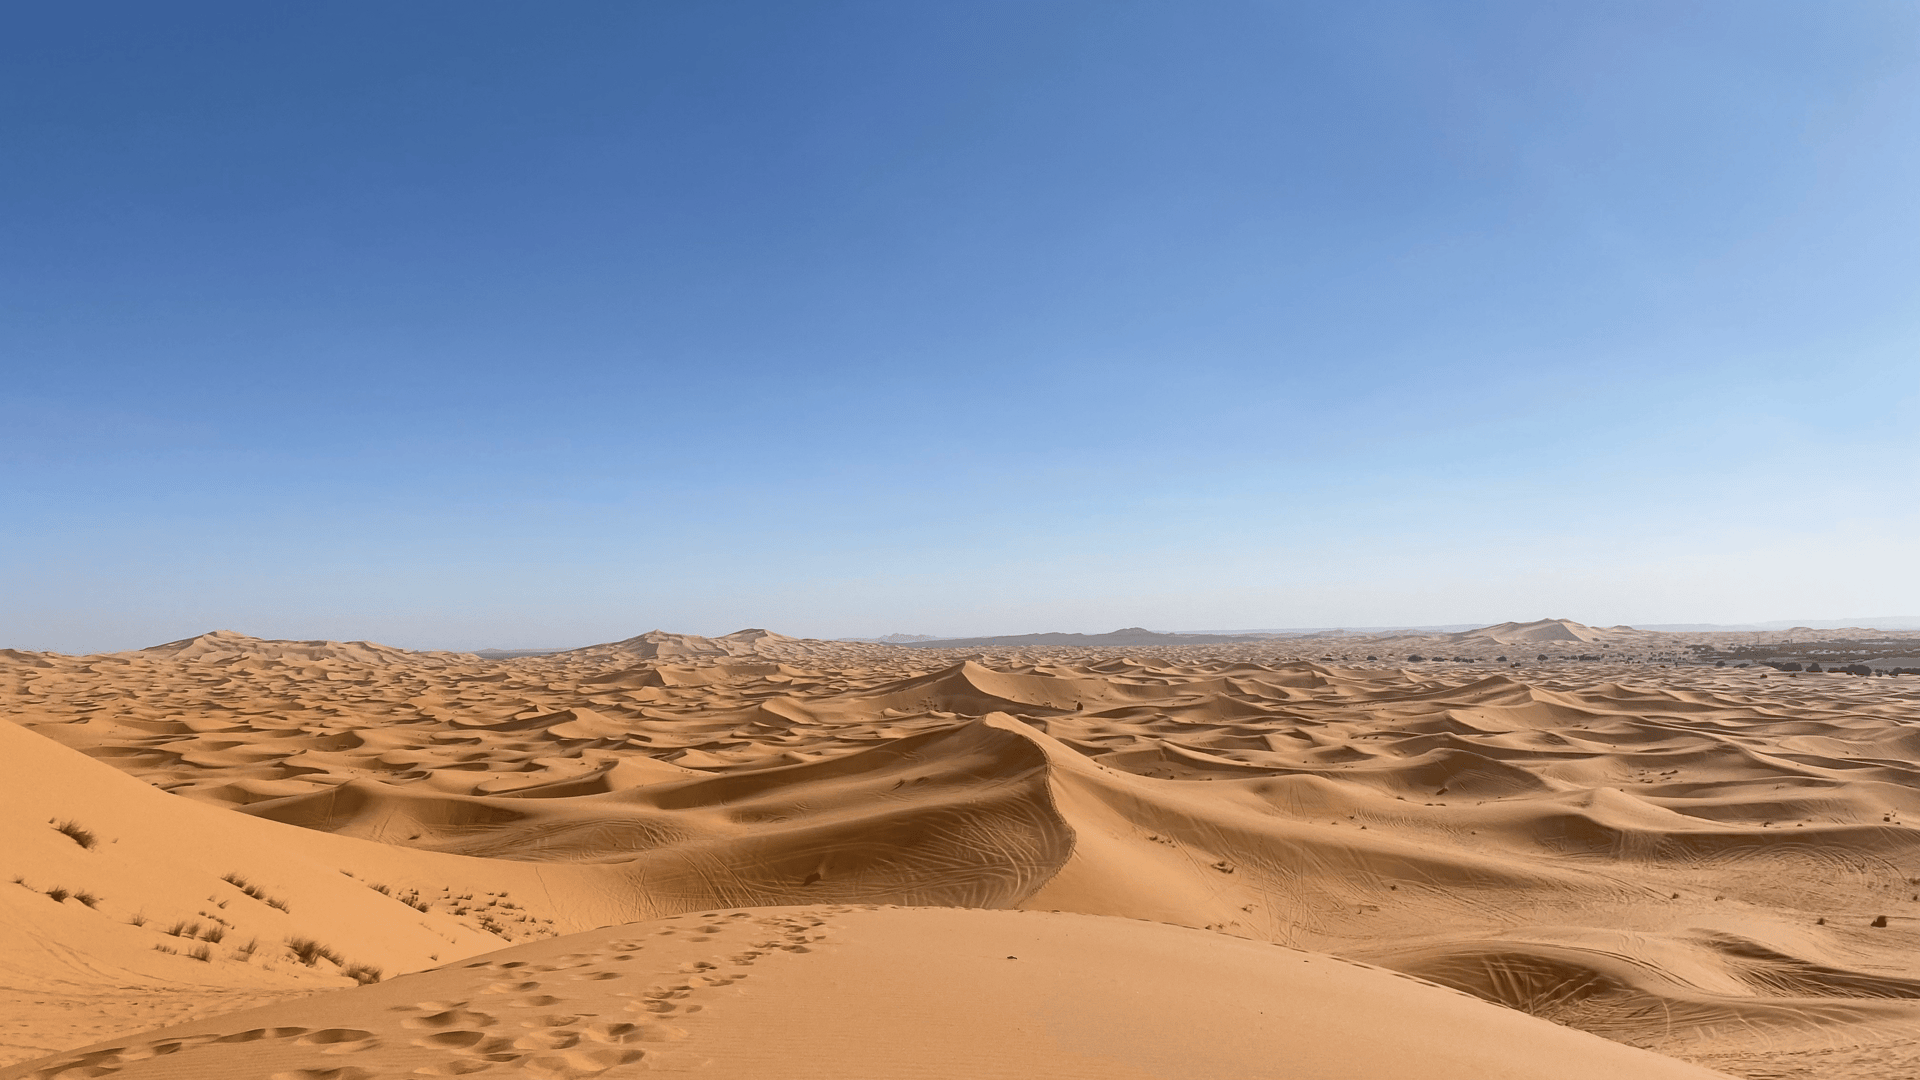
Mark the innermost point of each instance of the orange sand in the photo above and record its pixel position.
(1645, 853)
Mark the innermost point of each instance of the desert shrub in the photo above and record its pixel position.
(254, 891)
(311, 952)
(247, 949)
(363, 974)
(58, 894)
(243, 885)
(75, 833)
(200, 953)
(86, 898)
(137, 919)
(213, 933)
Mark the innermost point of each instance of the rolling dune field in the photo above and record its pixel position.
(757, 855)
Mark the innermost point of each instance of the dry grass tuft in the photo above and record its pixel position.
(254, 891)
(74, 832)
(312, 952)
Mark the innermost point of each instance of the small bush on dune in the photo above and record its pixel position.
(86, 898)
(75, 833)
(312, 952)
(201, 953)
(58, 895)
(213, 933)
(254, 891)
(363, 974)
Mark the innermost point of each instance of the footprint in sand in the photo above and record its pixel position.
(453, 1067)
(459, 1039)
(340, 1040)
(577, 1063)
(256, 1034)
(449, 1018)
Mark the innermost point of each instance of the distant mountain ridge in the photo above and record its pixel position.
(227, 646)
(1131, 635)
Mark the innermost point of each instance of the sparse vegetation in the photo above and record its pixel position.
(181, 928)
(213, 933)
(254, 891)
(137, 919)
(246, 951)
(200, 953)
(87, 898)
(311, 952)
(58, 895)
(74, 832)
(364, 974)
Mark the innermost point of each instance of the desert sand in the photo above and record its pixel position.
(756, 855)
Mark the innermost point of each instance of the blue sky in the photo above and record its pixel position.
(466, 324)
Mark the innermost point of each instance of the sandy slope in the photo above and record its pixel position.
(858, 993)
(1681, 859)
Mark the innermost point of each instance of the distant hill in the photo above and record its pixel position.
(662, 645)
(1541, 630)
(1132, 635)
(225, 646)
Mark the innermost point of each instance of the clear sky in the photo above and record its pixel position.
(465, 324)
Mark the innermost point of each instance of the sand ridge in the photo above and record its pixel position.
(1686, 859)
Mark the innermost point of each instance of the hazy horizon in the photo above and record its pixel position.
(473, 325)
(1891, 622)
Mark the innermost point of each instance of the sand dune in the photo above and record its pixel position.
(1512, 633)
(1683, 859)
(823, 992)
